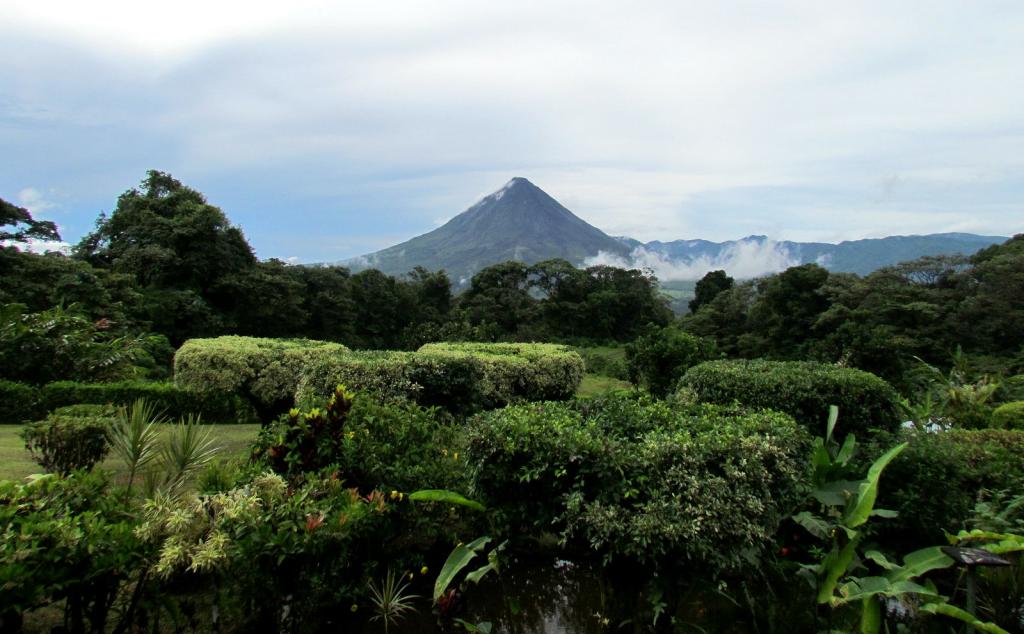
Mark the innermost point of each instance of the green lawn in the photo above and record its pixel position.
(595, 385)
(15, 463)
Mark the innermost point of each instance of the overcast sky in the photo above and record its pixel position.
(331, 129)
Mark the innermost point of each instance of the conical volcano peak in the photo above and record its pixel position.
(517, 222)
(517, 185)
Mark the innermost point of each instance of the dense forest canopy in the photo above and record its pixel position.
(167, 262)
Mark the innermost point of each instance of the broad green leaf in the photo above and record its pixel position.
(846, 452)
(919, 562)
(449, 497)
(458, 559)
(835, 564)
(478, 543)
(837, 492)
(813, 524)
(833, 416)
(880, 559)
(954, 612)
(885, 513)
(860, 508)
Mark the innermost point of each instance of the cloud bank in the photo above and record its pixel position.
(744, 259)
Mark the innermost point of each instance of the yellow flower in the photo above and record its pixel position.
(394, 494)
(354, 607)
(410, 576)
(423, 570)
(456, 456)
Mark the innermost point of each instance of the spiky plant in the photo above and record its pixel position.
(391, 600)
(188, 448)
(133, 437)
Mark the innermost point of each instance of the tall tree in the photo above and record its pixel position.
(708, 287)
(22, 226)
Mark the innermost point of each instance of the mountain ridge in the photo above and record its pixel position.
(522, 222)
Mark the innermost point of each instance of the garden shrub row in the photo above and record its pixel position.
(638, 479)
(461, 378)
(802, 389)
(265, 372)
(22, 403)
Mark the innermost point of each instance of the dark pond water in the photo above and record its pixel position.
(546, 596)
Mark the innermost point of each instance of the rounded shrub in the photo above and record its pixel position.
(62, 444)
(265, 372)
(936, 481)
(802, 389)
(1009, 416)
(639, 480)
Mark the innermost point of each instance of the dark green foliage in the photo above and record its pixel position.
(61, 343)
(75, 545)
(23, 226)
(801, 389)
(639, 480)
(1009, 416)
(306, 441)
(708, 288)
(174, 402)
(18, 402)
(935, 483)
(63, 443)
(660, 356)
(388, 446)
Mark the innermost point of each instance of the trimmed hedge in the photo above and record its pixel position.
(519, 371)
(19, 402)
(1009, 416)
(462, 378)
(802, 389)
(936, 481)
(451, 382)
(639, 480)
(265, 372)
(173, 401)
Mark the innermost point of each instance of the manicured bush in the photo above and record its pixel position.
(660, 356)
(265, 372)
(18, 402)
(1009, 416)
(62, 444)
(802, 389)
(936, 481)
(105, 410)
(639, 480)
(174, 402)
(453, 382)
(519, 371)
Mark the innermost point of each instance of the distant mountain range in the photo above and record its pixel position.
(522, 222)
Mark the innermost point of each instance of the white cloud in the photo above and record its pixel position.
(897, 118)
(34, 200)
(743, 259)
